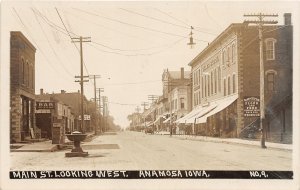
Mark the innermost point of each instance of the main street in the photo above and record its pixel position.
(139, 151)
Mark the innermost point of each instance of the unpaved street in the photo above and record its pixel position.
(139, 151)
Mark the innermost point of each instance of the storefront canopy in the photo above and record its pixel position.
(189, 115)
(221, 105)
(203, 111)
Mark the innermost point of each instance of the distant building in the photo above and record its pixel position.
(22, 88)
(226, 80)
(53, 117)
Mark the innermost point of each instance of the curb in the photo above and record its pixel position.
(52, 149)
(228, 142)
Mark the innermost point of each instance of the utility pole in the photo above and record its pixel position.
(99, 99)
(95, 98)
(144, 104)
(81, 39)
(152, 98)
(260, 22)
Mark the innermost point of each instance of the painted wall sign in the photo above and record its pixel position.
(251, 106)
(45, 105)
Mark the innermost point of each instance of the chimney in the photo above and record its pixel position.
(182, 72)
(287, 19)
(41, 91)
(62, 91)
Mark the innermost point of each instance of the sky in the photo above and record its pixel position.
(131, 42)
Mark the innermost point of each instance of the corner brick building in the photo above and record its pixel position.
(226, 73)
(22, 88)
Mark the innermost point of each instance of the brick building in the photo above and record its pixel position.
(226, 75)
(22, 88)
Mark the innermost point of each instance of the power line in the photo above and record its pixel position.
(36, 44)
(138, 54)
(136, 26)
(52, 46)
(172, 17)
(54, 26)
(163, 21)
(71, 39)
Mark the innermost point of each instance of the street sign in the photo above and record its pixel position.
(251, 106)
(45, 105)
(86, 117)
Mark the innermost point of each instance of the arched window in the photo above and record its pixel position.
(228, 85)
(215, 74)
(202, 87)
(271, 81)
(233, 53)
(270, 48)
(23, 71)
(229, 53)
(211, 83)
(233, 83)
(224, 59)
(219, 78)
(208, 86)
(224, 86)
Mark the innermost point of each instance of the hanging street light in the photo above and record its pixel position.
(191, 43)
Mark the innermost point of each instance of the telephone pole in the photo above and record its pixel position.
(144, 104)
(152, 98)
(80, 40)
(260, 22)
(95, 98)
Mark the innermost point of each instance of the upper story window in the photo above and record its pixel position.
(181, 103)
(229, 57)
(233, 53)
(219, 79)
(233, 83)
(270, 74)
(224, 86)
(270, 48)
(229, 86)
(23, 71)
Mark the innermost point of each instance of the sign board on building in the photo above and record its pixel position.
(86, 117)
(45, 105)
(251, 106)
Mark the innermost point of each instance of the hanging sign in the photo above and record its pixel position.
(86, 117)
(45, 105)
(251, 106)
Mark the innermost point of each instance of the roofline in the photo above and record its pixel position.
(229, 28)
(20, 34)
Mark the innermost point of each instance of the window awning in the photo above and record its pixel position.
(203, 111)
(167, 120)
(187, 116)
(158, 119)
(221, 105)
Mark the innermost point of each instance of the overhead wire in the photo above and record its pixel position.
(36, 44)
(163, 21)
(56, 27)
(71, 38)
(134, 25)
(54, 52)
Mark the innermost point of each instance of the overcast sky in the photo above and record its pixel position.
(132, 42)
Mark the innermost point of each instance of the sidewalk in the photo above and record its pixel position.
(288, 147)
(44, 146)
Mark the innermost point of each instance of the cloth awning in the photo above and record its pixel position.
(202, 111)
(167, 120)
(149, 123)
(158, 119)
(221, 105)
(187, 116)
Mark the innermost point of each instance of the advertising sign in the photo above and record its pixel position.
(45, 105)
(86, 117)
(251, 106)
